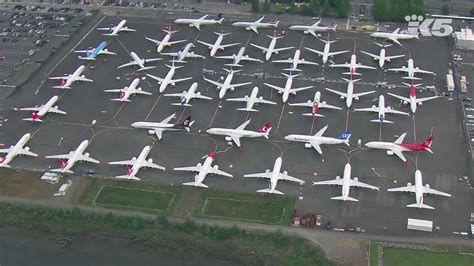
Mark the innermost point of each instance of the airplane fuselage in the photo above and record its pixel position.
(350, 91)
(311, 138)
(238, 132)
(75, 155)
(296, 59)
(15, 150)
(182, 54)
(139, 162)
(45, 109)
(381, 108)
(164, 43)
(140, 62)
(239, 55)
(216, 45)
(199, 178)
(271, 48)
(253, 97)
(74, 76)
(327, 48)
(188, 95)
(275, 174)
(128, 90)
(167, 80)
(287, 90)
(382, 58)
(117, 28)
(226, 84)
(345, 181)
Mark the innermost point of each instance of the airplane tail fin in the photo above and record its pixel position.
(248, 110)
(333, 28)
(187, 124)
(127, 177)
(345, 137)
(265, 129)
(195, 184)
(342, 198)
(427, 144)
(267, 190)
(420, 205)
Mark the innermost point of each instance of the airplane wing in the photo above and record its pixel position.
(149, 164)
(153, 40)
(403, 189)
(180, 94)
(336, 53)
(59, 156)
(360, 94)
(200, 96)
(328, 106)
(341, 65)
(369, 109)
(159, 133)
(260, 47)
(171, 54)
(86, 158)
(205, 43)
(228, 45)
(175, 42)
(316, 146)
(400, 139)
(194, 55)
(26, 152)
(282, 49)
(260, 175)
(354, 183)
(253, 28)
(80, 78)
(62, 77)
(166, 120)
(114, 90)
(179, 80)
(364, 66)
(243, 99)
(314, 51)
(236, 139)
(417, 70)
(31, 108)
(160, 80)
(372, 55)
(321, 131)
(305, 104)
(248, 58)
(216, 171)
(109, 29)
(395, 40)
(127, 162)
(240, 84)
(189, 168)
(213, 82)
(258, 100)
(400, 155)
(83, 51)
(275, 87)
(420, 100)
(286, 177)
(242, 127)
(301, 88)
(290, 61)
(105, 51)
(133, 63)
(427, 190)
(225, 57)
(6, 150)
(56, 111)
(399, 97)
(135, 91)
(126, 29)
(305, 62)
(388, 58)
(401, 69)
(343, 94)
(337, 182)
(393, 111)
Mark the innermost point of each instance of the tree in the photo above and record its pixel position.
(280, 8)
(293, 8)
(266, 6)
(445, 9)
(255, 6)
(343, 7)
(326, 8)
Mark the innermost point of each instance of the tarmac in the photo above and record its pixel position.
(113, 139)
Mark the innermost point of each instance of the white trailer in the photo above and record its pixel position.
(420, 225)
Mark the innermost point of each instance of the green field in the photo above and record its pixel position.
(133, 195)
(409, 257)
(267, 209)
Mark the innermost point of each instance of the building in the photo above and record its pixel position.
(464, 39)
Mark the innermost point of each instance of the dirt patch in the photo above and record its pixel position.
(82, 186)
(24, 184)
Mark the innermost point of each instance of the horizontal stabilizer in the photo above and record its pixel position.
(248, 110)
(350, 73)
(61, 87)
(120, 100)
(181, 104)
(146, 68)
(270, 191)
(311, 114)
(31, 119)
(195, 184)
(381, 121)
(342, 198)
(61, 171)
(86, 58)
(421, 206)
(128, 177)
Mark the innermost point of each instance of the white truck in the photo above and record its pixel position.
(420, 225)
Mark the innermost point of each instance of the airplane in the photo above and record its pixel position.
(285, 91)
(411, 70)
(398, 147)
(165, 42)
(318, 139)
(67, 80)
(17, 149)
(254, 26)
(114, 30)
(349, 94)
(295, 61)
(168, 79)
(250, 101)
(236, 58)
(136, 164)
(325, 53)
(202, 171)
(91, 54)
(413, 100)
(185, 53)
(346, 182)
(196, 23)
(40, 111)
(381, 110)
(419, 189)
(274, 176)
(72, 158)
(128, 91)
(140, 62)
(186, 96)
(315, 105)
(217, 45)
(394, 36)
(270, 50)
(227, 84)
(158, 127)
(240, 132)
(313, 28)
(353, 66)
(382, 58)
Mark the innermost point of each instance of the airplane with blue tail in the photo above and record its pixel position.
(315, 141)
(92, 53)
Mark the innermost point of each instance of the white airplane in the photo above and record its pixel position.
(128, 91)
(158, 127)
(382, 58)
(413, 100)
(398, 147)
(227, 84)
(186, 96)
(313, 28)
(196, 23)
(168, 79)
(315, 105)
(203, 170)
(217, 45)
(287, 90)
(72, 158)
(18, 149)
(137, 164)
(295, 61)
(270, 50)
(140, 62)
(237, 58)
(67, 80)
(250, 101)
(274, 176)
(114, 30)
(92, 53)
(318, 139)
(165, 42)
(346, 182)
(419, 189)
(353, 66)
(240, 132)
(411, 70)
(349, 94)
(326, 52)
(381, 110)
(185, 53)
(40, 111)
(394, 36)
(254, 26)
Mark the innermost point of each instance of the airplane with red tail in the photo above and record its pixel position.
(239, 132)
(413, 100)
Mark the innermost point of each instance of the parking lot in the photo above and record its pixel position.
(112, 138)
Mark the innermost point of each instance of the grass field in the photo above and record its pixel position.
(374, 254)
(267, 209)
(407, 257)
(133, 196)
